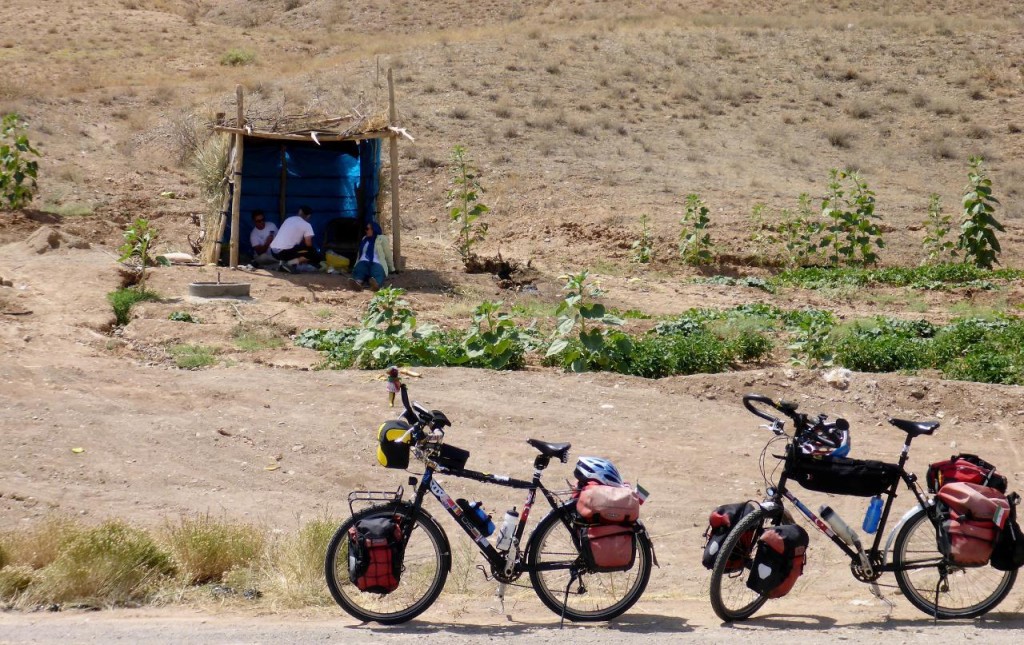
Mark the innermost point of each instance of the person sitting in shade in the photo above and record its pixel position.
(293, 244)
(373, 259)
(262, 235)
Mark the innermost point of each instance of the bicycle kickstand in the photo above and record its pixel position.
(573, 576)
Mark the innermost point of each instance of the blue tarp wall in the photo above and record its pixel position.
(335, 179)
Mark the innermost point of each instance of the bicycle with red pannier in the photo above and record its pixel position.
(588, 559)
(954, 555)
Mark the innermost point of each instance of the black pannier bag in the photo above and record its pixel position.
(375, 555)
(720, 522)
(779, 561)
(451, 457)
(841, 476)
(1008, 554)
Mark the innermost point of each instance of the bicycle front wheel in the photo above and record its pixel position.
(426, 563)
(730, 597)
(564, 583)
(935, 585)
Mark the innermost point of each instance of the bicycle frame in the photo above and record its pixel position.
(873, 552)
(508, 562)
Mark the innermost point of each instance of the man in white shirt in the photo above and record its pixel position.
(262, 235)
(295, 241)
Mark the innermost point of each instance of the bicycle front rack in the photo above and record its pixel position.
(371, 497)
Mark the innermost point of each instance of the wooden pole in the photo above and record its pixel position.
(225, 203)
(396, 228)
(236, 201)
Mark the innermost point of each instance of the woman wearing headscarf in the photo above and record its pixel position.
(373, 259)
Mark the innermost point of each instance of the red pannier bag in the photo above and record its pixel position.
(602, 504)
(609, 547)
(375, 555)
(971, 469)
(975, 516)
(779, 561)
(720, 523)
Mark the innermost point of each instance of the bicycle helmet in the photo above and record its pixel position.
(597, 469)
(831, 439)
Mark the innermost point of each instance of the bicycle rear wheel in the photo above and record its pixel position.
(730, 597)
(553, 561)
(938, 587)
(426, 563)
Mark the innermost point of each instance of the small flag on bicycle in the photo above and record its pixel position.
(641, 493)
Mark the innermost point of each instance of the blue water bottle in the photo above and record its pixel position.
(873, 515)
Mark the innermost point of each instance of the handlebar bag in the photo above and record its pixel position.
(720, 523)
(974, 517)
(375, 555)
(603, 504)
(608, 548)
(841, 476)
(389, 453)
(451, 457)
(964, 468)
(779, 561)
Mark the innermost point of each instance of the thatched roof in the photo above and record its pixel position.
(318, 127)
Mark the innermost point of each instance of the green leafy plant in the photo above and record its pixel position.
(799, 231)
(978, 231)
(694, 239)
(643, 248)
(17, 172)
(464, 207)
(493, 341)
(581, 340)
(182, 316)
(851, 236)
(936, 227)
(138, 239)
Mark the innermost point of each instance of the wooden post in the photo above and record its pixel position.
(236, 201)
(396, 228)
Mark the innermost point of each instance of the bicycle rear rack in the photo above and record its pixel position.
(371, 497)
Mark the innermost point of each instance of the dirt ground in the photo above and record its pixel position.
(158, 442)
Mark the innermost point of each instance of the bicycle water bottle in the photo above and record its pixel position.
(483, 520)
(508, 529)
(841, 528)
(873, 515)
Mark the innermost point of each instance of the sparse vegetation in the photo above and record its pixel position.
(643, 248)
(936, 227)
(193, 357)
(138, 239)
(852, 235)
(204, 548)
(236, 57)
(122, 300)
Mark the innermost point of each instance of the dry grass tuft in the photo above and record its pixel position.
(205, 548)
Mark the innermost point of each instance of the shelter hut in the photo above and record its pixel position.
(330, 163)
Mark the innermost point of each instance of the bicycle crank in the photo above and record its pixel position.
(874, 572)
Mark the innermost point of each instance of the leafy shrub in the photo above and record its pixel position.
(643, 247)
(205, 548)
(182, 316)
(694, 239)
(17, 174)
(978, 231)
(111, 564)
(464, 205)
(852, 234)
(236, 57)
(867, 352)
(124, 299)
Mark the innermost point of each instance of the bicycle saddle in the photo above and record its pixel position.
(548, 449)
(915, 428)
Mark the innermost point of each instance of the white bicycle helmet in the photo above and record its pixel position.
(597, 469)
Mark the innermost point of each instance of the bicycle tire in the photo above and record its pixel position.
(598, 596)
(731, 599)
(969, 591)
(426, 563)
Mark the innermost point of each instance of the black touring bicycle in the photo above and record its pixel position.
(932, 576)
(389, 561)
